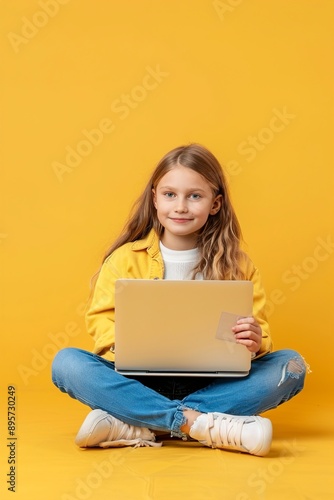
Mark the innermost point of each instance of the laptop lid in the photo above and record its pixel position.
(167, 327)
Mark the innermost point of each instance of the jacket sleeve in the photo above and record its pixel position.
(100, 315)
(259, 306)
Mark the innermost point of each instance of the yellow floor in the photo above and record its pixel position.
(50, 466)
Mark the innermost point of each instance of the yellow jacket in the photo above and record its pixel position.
(142, 260)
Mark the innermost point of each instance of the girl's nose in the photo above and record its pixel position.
(181, 206)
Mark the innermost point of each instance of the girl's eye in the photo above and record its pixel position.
(169, 195)
(195, 196)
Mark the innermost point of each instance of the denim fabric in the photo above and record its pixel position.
(158, 402)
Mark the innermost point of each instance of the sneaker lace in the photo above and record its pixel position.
(135, 443)
(120, 431)
(224, 430)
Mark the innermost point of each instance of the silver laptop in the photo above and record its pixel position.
(181, 328)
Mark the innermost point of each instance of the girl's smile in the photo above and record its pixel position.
(184, 200)
(180, 220)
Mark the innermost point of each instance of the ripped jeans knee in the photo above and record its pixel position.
(294, 368)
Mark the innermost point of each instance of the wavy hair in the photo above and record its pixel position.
(219, 240)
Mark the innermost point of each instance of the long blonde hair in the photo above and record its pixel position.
(218, 240)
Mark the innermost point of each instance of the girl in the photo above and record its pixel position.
(183, 227)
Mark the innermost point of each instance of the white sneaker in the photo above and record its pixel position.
(103, 430)
(247, 434)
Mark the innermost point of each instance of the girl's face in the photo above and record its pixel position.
(184, 200)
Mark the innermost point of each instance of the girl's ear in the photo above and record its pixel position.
(154, 197)
(216, 205)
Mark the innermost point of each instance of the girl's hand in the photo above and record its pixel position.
(249, 333)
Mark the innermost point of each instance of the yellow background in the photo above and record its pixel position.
(222, 78)
(226, 70)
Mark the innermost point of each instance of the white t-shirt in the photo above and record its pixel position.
(179, 264)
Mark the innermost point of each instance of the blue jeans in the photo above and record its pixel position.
(158, 402)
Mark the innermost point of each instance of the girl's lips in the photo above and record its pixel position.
(181, 220)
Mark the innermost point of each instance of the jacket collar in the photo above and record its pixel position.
(149, 243)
